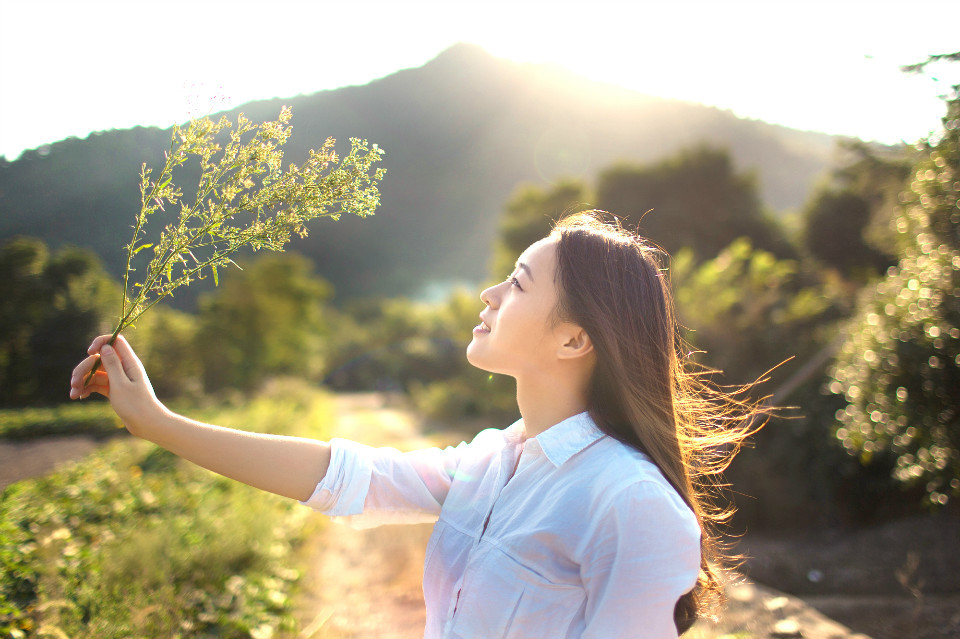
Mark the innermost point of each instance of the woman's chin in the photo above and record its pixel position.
(472, 352)
(475, 356)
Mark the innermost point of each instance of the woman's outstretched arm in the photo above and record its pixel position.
(288, 466)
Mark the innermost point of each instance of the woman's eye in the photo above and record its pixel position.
(515, 282)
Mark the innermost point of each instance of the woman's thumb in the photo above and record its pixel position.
(111, 363)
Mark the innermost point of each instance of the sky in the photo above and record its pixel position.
(71, 67)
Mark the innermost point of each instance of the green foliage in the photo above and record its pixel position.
(465, 391)
(834, 229)
(166, 340)
(529, 215)
(693, 200)
(245, 198)
(267, 319)
(401, 345)
(877, 174)
(390, 344)
(51, 304)
(899, 369)
(749, 310)
(89, 418)
(470, 394)
(132, 542)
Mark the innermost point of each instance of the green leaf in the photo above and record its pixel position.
(279, 202)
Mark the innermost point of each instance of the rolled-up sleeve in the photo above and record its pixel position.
(366, 486)
(644, 554)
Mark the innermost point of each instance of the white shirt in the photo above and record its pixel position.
(587, 539)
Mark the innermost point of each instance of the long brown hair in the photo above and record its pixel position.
(614, 285)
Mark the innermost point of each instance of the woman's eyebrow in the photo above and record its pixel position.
(526, 269)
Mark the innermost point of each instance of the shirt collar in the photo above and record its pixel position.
(515, 433)
(562, 441)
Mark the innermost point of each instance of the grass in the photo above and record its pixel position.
(131, 541)
(87, 418)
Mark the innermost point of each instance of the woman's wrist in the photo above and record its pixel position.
(148, 421)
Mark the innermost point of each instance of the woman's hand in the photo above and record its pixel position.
(121, 378)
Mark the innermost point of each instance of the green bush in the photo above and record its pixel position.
(133, 542)
(899, 369)
(94, 418)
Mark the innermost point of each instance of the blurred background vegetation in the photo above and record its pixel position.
(846, 269)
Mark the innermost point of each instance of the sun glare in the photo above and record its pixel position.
(838, 74)
(99, 64)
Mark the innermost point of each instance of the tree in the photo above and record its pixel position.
(692, 200)
(877, 174)
(899, 369)
(834, 229)
(166, 342)
(529, 215)
(22, 261)
(52, 305)
(266, 319)
(393, 344)
(748, 311)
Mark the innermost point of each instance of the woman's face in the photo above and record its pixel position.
(518, 333)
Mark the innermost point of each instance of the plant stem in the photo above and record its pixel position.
(96, 364)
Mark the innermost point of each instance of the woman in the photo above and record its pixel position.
(586, 518)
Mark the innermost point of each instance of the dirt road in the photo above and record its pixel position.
(367, 583)
(34, 458)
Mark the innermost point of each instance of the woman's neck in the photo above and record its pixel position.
(545, 400)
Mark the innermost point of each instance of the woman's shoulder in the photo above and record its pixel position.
(498, 437)
(624, 474)
(609, 463)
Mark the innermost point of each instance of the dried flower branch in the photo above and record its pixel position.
(244, 198)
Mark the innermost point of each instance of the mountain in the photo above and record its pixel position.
(460, 133)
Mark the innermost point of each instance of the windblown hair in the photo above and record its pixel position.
(614, 285)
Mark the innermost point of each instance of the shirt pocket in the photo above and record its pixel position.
(502, 597)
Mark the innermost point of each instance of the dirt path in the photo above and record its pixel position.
(22, 460)
(367, 584)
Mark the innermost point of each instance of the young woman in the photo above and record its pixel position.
(586, 518)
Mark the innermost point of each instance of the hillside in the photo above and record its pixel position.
(460, 133)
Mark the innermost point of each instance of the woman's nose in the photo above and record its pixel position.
(490, 297)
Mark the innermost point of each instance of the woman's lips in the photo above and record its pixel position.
(481, 329)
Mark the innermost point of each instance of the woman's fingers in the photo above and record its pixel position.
(99, 384)
(79, 388)
(84, 366)
(81, 384)
(132, 366)
(111, 362)
(118, 362)
(99, 341)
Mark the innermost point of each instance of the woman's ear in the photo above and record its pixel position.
(576, 344)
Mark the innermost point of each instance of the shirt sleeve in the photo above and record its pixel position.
(644, 554)
(366, 486)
